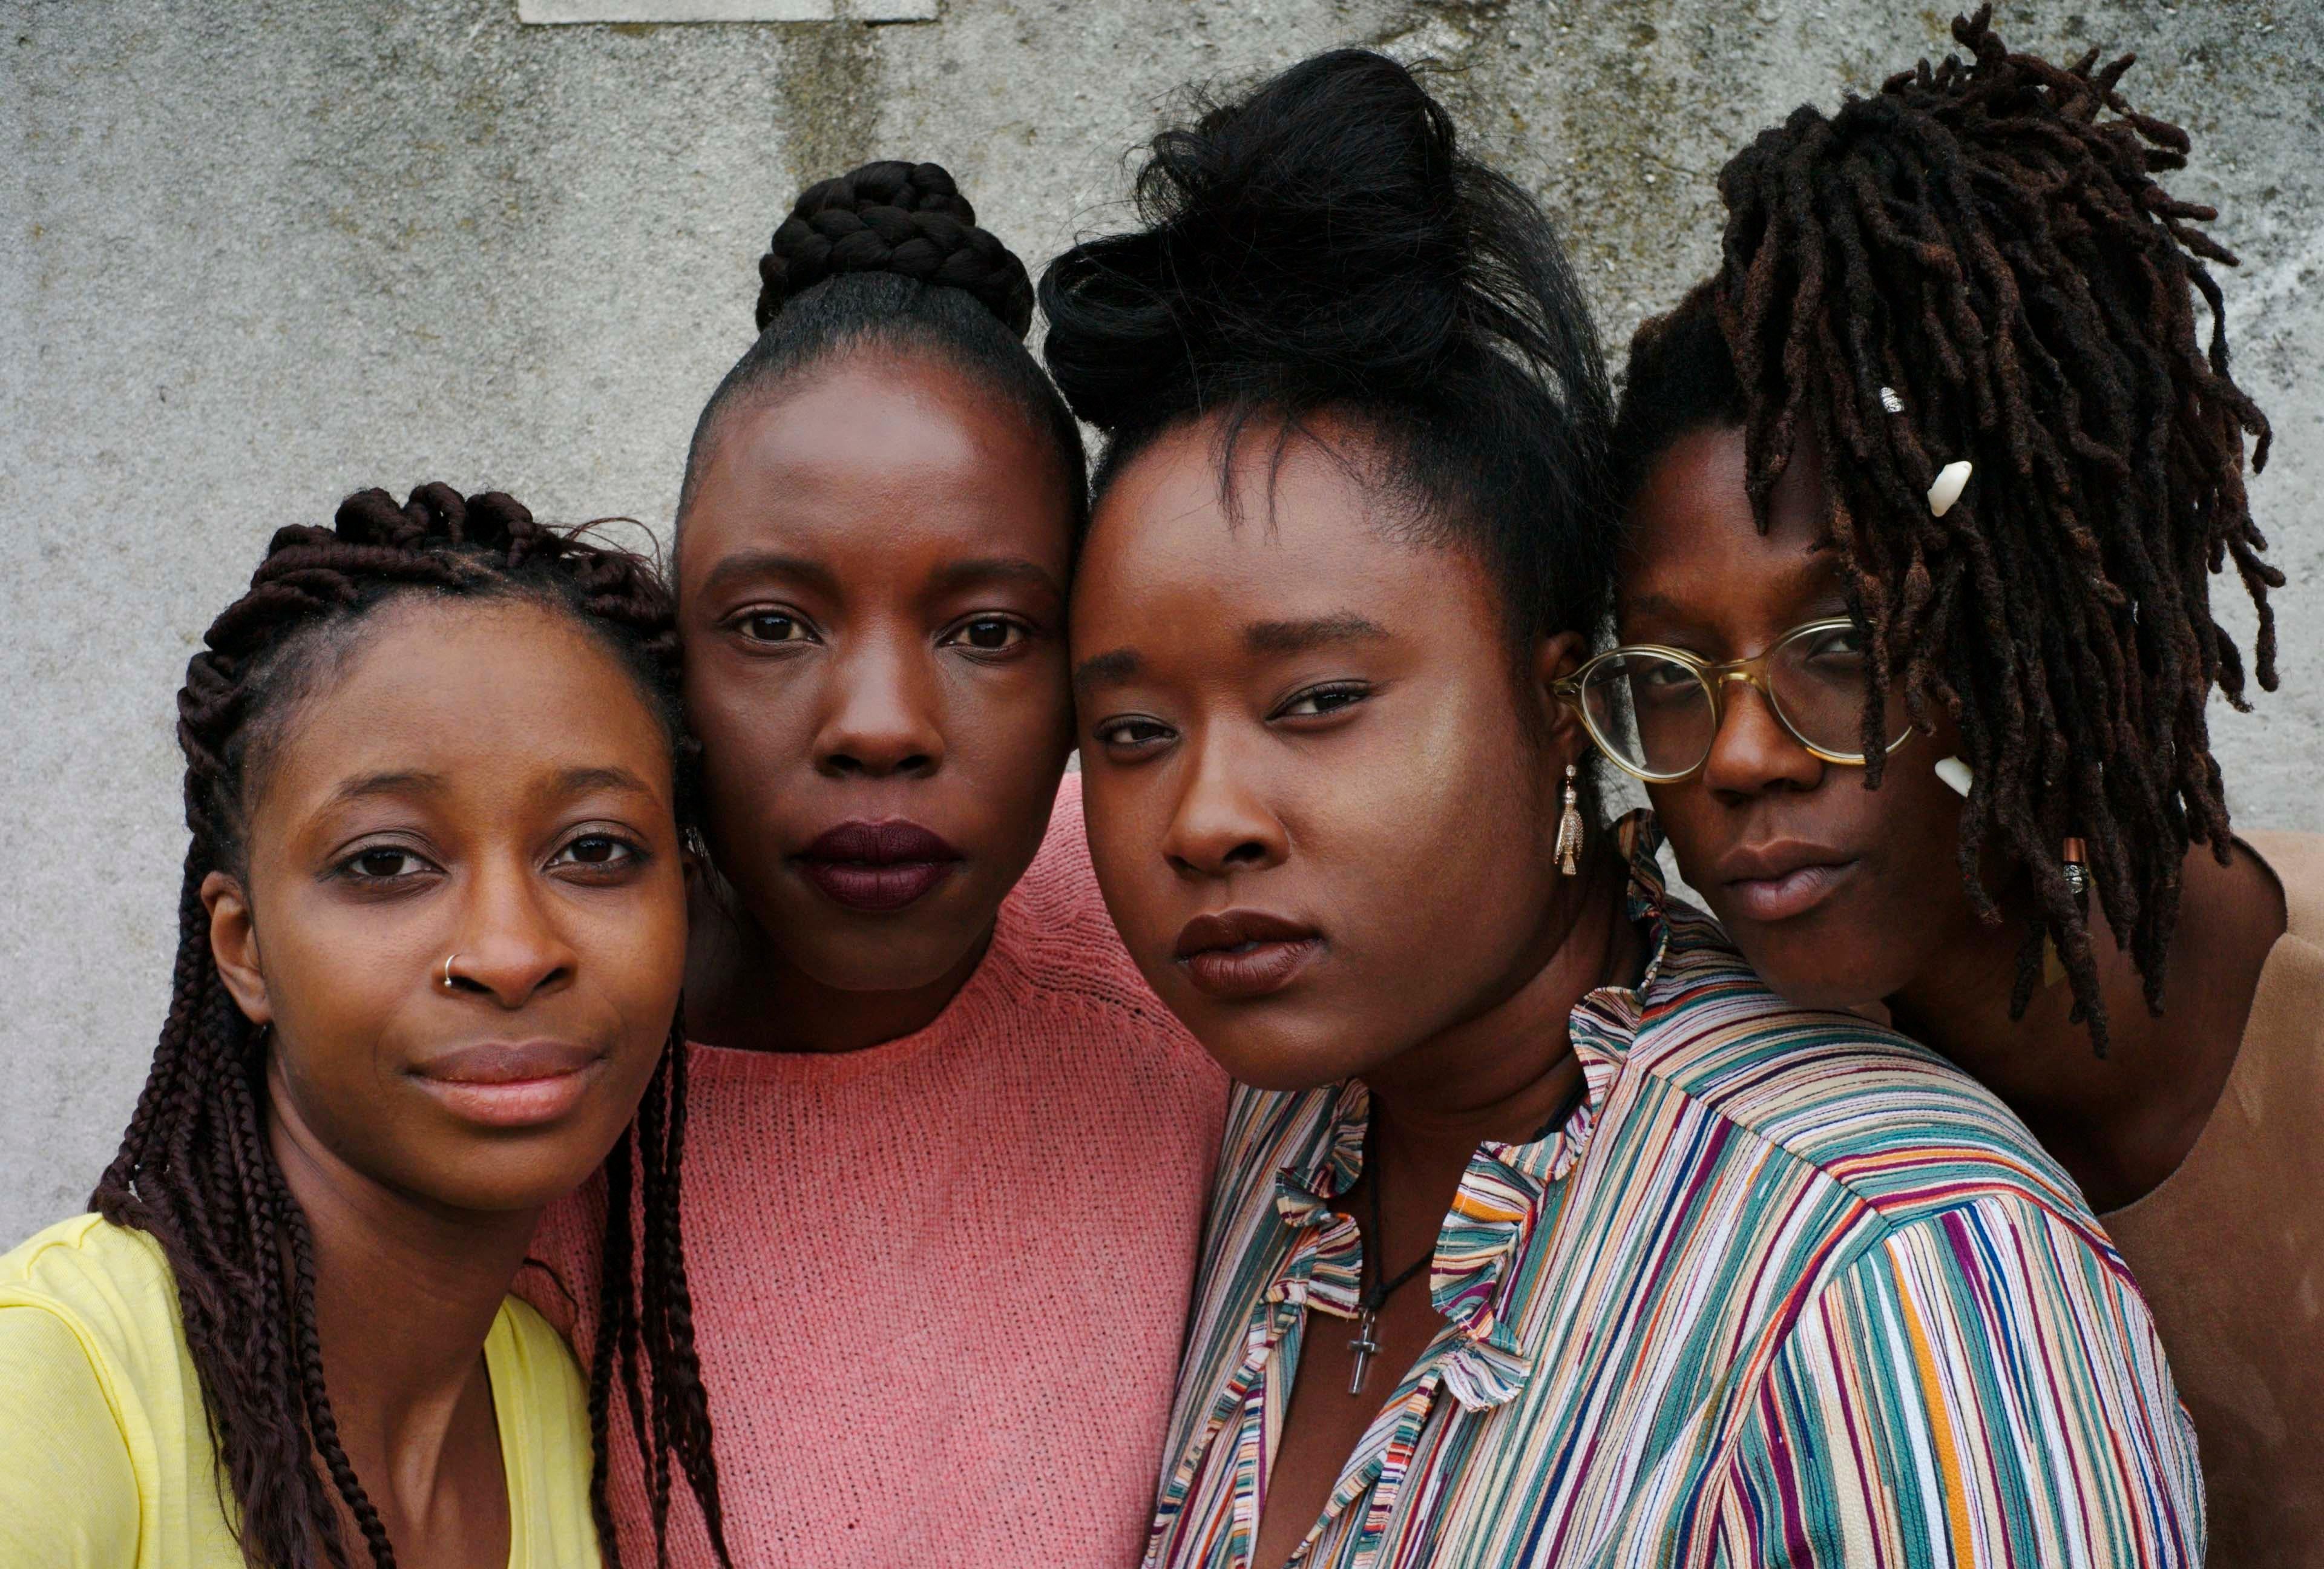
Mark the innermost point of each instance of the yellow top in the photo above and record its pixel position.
(105, 1452)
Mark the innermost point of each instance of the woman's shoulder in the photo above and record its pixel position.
(2297, 863)
(111, 1280)
(93, 1376)
(1878, 1114)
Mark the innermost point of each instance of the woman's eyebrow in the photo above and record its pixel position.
(995, 569)
(755, 564)
(1105, 669)
(392, 782)
(582, 781)
(1295, 637)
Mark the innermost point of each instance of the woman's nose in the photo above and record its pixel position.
(1222, 824)
(883, 717)
(508, 946)
(1752, 750)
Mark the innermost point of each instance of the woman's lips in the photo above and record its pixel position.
(1241, 954)
(1766, 887)
(877, 866)
(510, 1085)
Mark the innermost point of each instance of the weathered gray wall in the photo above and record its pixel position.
(255, 255)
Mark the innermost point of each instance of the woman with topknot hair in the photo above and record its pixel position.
(1960, 395)
(1544, 1232)
(947, 1153)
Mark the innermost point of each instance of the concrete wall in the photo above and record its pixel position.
(252, 256)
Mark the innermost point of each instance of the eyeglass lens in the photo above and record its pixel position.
(1656, 713)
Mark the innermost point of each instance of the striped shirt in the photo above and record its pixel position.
(1783, 1288)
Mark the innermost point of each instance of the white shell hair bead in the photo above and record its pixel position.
(1891, 401)
(1956, 773)
(1951, 480)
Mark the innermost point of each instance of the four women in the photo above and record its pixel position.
(1553, 1223)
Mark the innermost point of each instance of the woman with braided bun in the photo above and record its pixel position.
(1545, 1232)
(948, 1154)
(431, 939)
(1947, 443)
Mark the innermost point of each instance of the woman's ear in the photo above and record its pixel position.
(1554, 658)
(233, 945)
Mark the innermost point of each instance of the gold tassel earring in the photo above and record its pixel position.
(1569, 830)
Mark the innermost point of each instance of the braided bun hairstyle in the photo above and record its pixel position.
(905, 219)
(1985, 243)
(1321, 244)
(889, 256)
(196, 1170)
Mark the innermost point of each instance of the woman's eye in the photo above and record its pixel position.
(989, 634)
(598, 852)
(1841, 645)
(1318, 701)
(384, 862)
(771, 626)
(1132, 731)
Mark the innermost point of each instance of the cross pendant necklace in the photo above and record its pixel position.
(1366, 1345)
(1365, 1348)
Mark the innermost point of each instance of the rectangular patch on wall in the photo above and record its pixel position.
(564, 11)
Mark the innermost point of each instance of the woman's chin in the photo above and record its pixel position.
(1811, 976)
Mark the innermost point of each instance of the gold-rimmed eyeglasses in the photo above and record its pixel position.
(1656, 711)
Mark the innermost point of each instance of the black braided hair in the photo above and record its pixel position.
(891, 255)
(1321, 244)
(1985, 240)
(195, 1169)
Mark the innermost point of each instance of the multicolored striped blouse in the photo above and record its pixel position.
(1784, 1288)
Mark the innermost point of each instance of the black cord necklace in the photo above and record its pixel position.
(1375, 1295)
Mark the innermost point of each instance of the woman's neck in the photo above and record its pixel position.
(1505, 1072)
(405, 1292)
(742, 992)
(2122, 1123)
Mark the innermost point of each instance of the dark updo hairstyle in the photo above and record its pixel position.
(1321, 246)
(196, 1170)
(1981, 242)
(889, 256)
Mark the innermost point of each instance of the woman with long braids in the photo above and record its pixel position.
(941, 1128)
(1949, 444)
(431, 946)
(1545, 1233)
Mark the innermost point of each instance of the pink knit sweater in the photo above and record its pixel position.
(939, 1285)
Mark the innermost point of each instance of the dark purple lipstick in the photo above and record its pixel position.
(877, 867)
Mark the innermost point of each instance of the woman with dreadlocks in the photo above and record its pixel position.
(430, 941)
(1926, 487)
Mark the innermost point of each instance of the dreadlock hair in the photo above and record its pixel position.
(889, 256)
(196, 1170)
(1321, 246)
(1981, 242)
